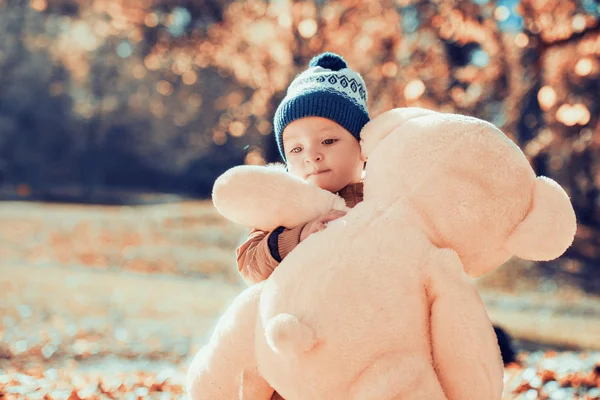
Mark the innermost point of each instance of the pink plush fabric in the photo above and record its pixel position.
(380, 305)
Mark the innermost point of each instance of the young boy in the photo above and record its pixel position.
(317, 129)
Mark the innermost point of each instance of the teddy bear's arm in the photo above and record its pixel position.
(266, 197)
(465, 349)
(226, 367)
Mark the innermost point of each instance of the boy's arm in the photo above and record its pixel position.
(262, 252)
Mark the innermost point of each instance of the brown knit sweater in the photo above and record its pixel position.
(258, 257)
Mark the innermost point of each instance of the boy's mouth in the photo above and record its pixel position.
(319, 172)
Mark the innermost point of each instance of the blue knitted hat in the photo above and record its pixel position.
(327, 89)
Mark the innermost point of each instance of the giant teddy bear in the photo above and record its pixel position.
(380, 305)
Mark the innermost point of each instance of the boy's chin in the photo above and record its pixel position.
(327, 185)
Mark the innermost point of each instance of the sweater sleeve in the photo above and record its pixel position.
(262, 252)
(288, 240)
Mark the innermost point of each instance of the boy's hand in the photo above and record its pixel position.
(319, 223)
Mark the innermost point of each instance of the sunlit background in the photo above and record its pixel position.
(117, 116)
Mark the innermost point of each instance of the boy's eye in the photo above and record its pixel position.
(296, 150)
(329, 141)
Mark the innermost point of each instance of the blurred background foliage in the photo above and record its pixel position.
(161, 96)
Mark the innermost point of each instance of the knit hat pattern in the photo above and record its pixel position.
(327, 89)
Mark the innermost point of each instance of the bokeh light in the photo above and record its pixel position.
(571, 115)
(547, 97)
(414, 89)
(307, 28)
(583, 66)
(237, 129)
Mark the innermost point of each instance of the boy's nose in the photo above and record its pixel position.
(314, 157)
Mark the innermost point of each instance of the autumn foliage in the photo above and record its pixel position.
(164, 95)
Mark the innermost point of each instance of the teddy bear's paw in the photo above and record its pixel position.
(549, 227)
(266, 197)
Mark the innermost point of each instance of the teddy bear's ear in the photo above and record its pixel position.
(549, 227)
(380, 126)
(266, 197)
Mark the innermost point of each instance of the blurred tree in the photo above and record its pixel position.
(165, 94)
(33, 129)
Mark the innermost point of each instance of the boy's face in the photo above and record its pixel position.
(322, 152)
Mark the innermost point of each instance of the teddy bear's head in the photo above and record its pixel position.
(472, 187)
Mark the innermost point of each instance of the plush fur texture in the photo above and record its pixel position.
(380, 305)
(268, 197)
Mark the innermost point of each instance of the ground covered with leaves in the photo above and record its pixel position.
(111, 303)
